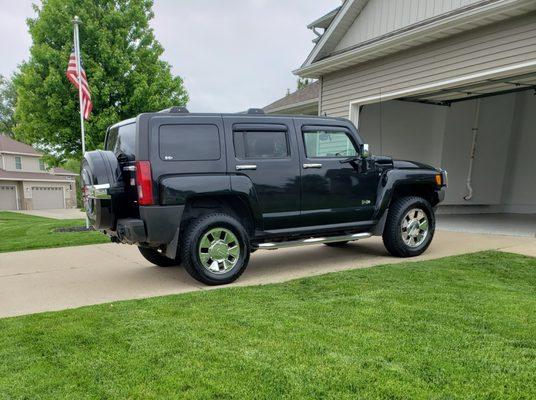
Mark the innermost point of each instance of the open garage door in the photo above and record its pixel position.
(8, 197)
(47, 197)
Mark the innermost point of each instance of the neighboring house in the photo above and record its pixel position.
(26, 184)
(437, 81)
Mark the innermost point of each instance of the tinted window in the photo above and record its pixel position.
(261, 144)
(328, 144)
(122, 140)
(189, 142)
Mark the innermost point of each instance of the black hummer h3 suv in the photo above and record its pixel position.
(206, 190)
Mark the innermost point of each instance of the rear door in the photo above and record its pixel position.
(265, 151)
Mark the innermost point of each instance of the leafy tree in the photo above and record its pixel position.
(8, 97)
(122, 60)
(303, 82)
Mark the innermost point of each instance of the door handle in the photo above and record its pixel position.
(313, 165)
(246, 167)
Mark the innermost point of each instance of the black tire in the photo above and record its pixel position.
(392, 233)
(191, 249)
(337, 244)
(157, 258)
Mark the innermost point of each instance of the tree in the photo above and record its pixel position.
(303, 82)
(122, 60)
(8, 97)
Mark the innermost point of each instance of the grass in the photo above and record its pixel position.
(456, 328)
(25, 232)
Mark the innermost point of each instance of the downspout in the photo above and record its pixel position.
(474, 129)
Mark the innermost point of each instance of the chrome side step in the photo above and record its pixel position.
(316, 240)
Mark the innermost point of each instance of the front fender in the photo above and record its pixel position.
(394, 179)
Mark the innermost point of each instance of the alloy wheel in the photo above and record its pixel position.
(414, 227)
(219, 250)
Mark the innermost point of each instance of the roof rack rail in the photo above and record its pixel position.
(175, 110)
(255, 111)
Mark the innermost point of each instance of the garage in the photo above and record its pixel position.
(453, 85)
(47, 197)
(8, 197)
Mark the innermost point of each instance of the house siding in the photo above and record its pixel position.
(383, 16)
(499, 45)
(29, 164)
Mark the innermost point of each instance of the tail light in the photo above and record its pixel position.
(144, 183)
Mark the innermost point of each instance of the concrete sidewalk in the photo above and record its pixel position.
(54, 279)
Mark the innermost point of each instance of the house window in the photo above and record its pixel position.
(41, 165)
(18, 162)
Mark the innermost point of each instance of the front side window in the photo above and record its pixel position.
(189, 142)
(41, 165)
(18, 162)
(261, 144)
(328, 144)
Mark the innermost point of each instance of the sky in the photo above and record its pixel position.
(232, 54)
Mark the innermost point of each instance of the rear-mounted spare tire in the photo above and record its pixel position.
(102, 188)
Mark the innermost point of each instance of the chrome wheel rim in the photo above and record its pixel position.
(415, 227)
(219, 250)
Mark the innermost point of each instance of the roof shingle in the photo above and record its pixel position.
(12, 146)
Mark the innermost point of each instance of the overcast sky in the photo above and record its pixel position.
(232, 54)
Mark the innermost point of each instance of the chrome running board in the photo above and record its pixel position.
(316, 240)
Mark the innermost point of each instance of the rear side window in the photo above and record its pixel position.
(122, 140)
(328, 144)
(261, 144)
(189, 142)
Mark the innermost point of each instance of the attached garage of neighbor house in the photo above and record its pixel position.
(47, 197)
(455, 90)
(8, 197)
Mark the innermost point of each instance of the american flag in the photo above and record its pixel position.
(72, 75)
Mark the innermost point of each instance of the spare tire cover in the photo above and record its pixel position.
(101, 167)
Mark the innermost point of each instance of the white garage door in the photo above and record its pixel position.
(8, 197)
(47, 197)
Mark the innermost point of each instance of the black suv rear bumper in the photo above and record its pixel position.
(157, 225)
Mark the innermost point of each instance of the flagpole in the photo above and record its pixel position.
(76, 22)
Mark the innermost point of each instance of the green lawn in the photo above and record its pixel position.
(461, 327)
(25, 232)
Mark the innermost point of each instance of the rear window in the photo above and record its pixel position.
(261, 144)
(189, 142)
(122, 140)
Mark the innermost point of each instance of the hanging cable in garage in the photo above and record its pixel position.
(474, 130)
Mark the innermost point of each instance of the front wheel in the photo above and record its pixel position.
(410, 227)
(215, 249)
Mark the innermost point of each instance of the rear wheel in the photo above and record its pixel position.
(410, 227)
(215, 249)
(157, 258)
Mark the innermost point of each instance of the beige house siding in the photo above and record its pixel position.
(499, 45)
(29, 164)
(379, 17)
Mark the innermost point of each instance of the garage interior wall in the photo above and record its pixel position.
(503, 178)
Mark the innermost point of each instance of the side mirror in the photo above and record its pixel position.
(365, 151)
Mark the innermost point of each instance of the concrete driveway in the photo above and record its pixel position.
(59, 213)
(54, 279)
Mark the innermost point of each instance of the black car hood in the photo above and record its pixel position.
(405, 164)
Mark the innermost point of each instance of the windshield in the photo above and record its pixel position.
(122, 141)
